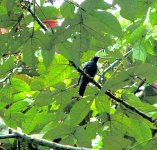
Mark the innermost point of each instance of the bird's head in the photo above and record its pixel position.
(95, 59)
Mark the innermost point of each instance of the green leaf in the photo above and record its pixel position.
(69, 140)
(119, 80)
(102, 22)
(42, 2)
(44, 98)
(65, 33)
(61, 131)
(139, 52)
(3, 10)
(138, 127)
(115, 142)
(102, 104)
(74, 48)
(36, 119)
(7, 21)
(149, 47)
(134, 127)
(29, 53)
(67, 10)
(132, 9)
(7, 66)
(19, 96)
(18, 118)
(64, 98)
(79, 111)
(81, 134)
(150, 144)
(137, 34)
(99, 41)
(145, 70)
(50, 12)
(44, 40)
(19, 106)
(71, 51)
(30, 120)
(90, 5)
(20, 85)
(48, 57)
(37, 84)
(10, 5)
(152, 17)
(58, 71)
(145, 107)
(6, 94)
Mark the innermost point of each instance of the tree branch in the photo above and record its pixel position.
(8, 76)
(42, 142)
(37, 19)
(119, 100)
(34, 16)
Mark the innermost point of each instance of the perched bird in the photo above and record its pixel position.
(90, 68)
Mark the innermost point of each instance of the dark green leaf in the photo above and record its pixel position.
(67, 10)
(132, 9)
(48, 57)
(102, 22)
(29, 53)
(102, 104)
(7, 66)
(81, 134)
(61, 131)
(79, 111)
(44, 98)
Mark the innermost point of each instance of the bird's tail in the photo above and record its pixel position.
(82, 89)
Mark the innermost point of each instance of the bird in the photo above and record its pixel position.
(89, 68)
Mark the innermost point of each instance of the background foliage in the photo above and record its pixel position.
(38, 84)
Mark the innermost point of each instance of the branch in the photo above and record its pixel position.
(34, 16)
(7, 136)
(42, 142)
(86, 75)
(108, 93)
(8, 76)
(37, 19)
(134, 109)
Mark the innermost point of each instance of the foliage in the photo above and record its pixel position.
(38, 84)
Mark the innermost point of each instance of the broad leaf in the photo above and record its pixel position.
(79, 111)
(102, 22)
(20, 85)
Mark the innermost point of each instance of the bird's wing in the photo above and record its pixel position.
(86, 65)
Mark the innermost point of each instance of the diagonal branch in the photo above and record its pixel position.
(35, 16)
(37, 19)
(108, 93)
(42, 142)
(8, 76)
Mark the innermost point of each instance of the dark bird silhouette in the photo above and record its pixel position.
(90, 68)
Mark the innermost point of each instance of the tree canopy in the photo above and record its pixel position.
(42, 52)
